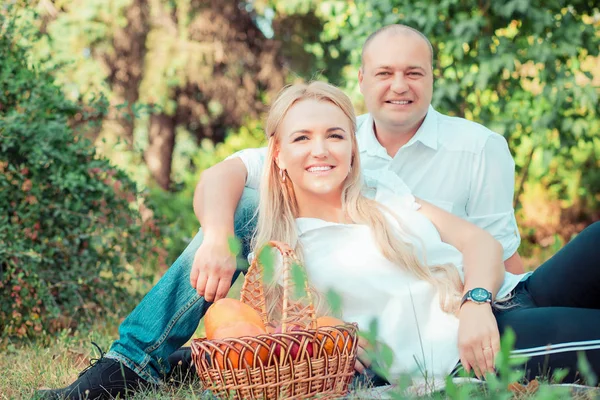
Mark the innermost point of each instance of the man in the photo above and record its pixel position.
(455, 164)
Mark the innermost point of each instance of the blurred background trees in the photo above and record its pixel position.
(186, 83)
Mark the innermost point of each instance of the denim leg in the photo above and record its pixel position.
(169, 314)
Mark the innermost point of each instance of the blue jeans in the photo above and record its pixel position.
(169, 314)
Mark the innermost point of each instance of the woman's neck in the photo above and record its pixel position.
(326, 207)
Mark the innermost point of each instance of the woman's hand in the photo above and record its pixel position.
(478, 338)
(362, 359)
(213, 268)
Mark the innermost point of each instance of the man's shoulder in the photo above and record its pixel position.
(250, 155)
(460, 134)
(361, 120)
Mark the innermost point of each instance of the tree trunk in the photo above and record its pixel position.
(126, 65)
(159, 155)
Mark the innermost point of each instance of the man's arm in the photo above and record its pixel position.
(491, 198)
(215, 200)
(217, 194)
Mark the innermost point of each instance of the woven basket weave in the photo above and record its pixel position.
(265, 366)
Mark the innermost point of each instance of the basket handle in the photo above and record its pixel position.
(253, 290)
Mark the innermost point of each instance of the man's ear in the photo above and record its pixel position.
(360, 77)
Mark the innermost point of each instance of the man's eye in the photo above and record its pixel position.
(415, 74)
(383, 73)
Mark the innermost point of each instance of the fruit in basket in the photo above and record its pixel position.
(239, 330)
(329, 345)
(295, 348)
(229, 311)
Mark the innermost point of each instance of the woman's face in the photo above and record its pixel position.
(315, 148)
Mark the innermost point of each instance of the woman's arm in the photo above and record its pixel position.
(482, 254)
(478, 337)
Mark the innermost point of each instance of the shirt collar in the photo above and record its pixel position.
(426, 134)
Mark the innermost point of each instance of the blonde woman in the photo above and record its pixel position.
(434, 283)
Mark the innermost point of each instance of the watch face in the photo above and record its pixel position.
(480, 295)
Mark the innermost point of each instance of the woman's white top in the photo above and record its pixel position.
(345, 258)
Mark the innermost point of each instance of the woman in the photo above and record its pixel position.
(434, 283)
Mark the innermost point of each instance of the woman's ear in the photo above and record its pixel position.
(280, 164)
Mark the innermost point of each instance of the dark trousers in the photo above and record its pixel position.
(556, 312)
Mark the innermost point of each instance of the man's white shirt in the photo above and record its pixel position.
(455, 164)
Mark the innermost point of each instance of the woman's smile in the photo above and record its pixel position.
(320, 169)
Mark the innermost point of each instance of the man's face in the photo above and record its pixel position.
(396, 80)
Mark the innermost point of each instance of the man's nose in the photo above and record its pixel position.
(399, 84)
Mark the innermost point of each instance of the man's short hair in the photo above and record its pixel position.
(395, 28)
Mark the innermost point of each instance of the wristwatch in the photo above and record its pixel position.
(477, 295)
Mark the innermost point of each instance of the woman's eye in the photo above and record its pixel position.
(337, 136)
(299, 138)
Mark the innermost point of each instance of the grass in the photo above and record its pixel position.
(56, 361)
(31, 366)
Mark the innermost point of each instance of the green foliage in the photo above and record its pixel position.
(523, 68)
(71, 238)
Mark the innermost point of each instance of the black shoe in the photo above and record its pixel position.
(183, 369)
(105, 378)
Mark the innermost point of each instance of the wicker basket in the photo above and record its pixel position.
(298, 363)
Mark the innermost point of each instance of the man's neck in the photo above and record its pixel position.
(392, 138)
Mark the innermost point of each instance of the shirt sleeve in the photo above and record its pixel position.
(490, 204)
(254, 160)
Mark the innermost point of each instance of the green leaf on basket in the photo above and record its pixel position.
(335, 301)
(267, 260)
(299, 280)
(235, 246)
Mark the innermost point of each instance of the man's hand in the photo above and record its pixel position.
(213, 268)
(478, 338)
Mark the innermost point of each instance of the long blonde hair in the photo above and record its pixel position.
(278, 207)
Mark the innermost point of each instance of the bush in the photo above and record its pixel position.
(72, 241)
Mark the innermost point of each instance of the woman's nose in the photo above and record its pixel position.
(319, 148)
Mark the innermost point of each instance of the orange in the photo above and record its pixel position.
(227, 311)
(238, 330)
(329, 345)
